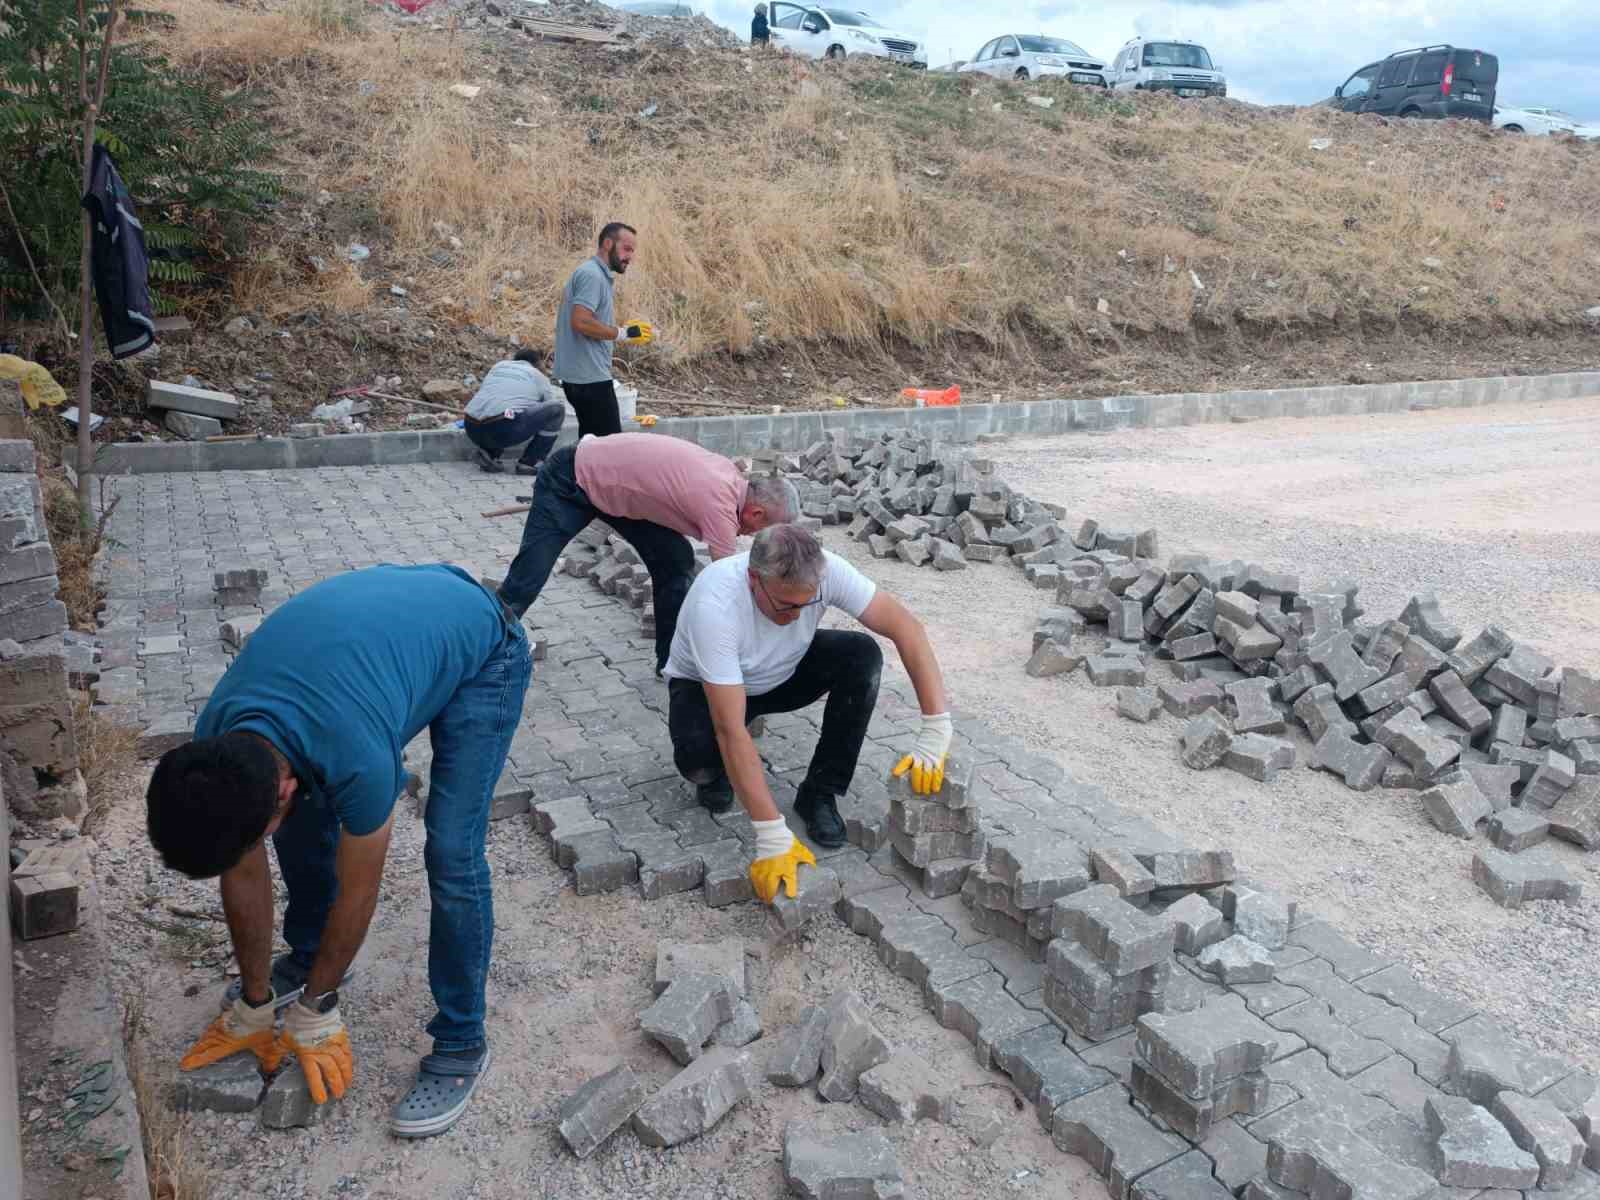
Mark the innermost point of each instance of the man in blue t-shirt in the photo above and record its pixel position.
(302, 740)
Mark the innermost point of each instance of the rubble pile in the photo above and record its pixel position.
(1485, 729)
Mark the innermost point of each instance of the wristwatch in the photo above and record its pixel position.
(328, 1001)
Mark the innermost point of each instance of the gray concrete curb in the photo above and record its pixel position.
(795, 431)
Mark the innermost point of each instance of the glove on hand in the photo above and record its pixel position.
(636, 333)
(238, 1027)
(322, 1044)
(928, 753)
(778, 857)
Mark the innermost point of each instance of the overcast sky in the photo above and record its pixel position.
(1280, 51)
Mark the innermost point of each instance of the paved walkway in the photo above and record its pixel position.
(1358, 1043)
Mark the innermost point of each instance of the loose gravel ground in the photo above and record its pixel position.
(1496, 509)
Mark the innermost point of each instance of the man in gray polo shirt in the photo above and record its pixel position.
(585, 335)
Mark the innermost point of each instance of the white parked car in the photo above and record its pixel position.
(838, 32)
(1033, 56)
(1167, 65)
(1540, 119)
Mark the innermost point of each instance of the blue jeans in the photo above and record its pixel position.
(471, 736)
(539, 426)
(560, 510)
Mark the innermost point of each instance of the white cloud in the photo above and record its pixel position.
(1285, 51)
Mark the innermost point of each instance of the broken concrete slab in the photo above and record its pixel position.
(599, 1108)
(696, 1098)
(1473, 1149)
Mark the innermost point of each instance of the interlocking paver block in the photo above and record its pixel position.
(1263, 917)
(1338, 660)
(906, 1089)
(868, 912)
(727, 872)
(915, 817)
(696, 1098)
(1516, 830)
(983, 1011)
(851, 1046)
(796, 1055)
(1550, 781)
(1118, 867)
(1361, 766)
(1511, 880)
(1425, 620)
(816, 892)
(1482, 652)
(821, 1165)
(1194, 1119)
(1053, 657)
(287, 1102)
(1197, 1051)
(1348, 1053)
(1254, 711)
(1119, 936)
(1518, 675)
(1103, 1129)
(1238, 960)
(684, 1017)
(1318, 710)
(233, 1085)
(1206, 740)
(1480, 1067)
(1455, 805)
(665, 867)
(1196, 924)
(1139, 704)
(599, 1108)
(1190, 699)
(1576, 816)
(1495, 781)
(1457, 703)
(1116, 670)
(1349, 959)
(1039, 870)
(724, 958)
(1188, 868)
(1415, 744)
(1046, 1070)
(927, 953)
(1431, 1010)
(1473, 1149)
(1325, 1161)
(1258, 757)
(1543, 1130)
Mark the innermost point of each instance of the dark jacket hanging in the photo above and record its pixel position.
(119, 261)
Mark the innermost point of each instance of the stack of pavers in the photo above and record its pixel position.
(612, 565)
(920, 500)
(1483, 728)
(936, 838)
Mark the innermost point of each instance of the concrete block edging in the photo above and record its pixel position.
(795, 431)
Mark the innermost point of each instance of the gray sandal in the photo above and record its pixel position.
(439, 1096)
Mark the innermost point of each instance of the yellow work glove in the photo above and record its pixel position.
(238, 1027)
(778, 857)
(37, 384)
(322, 1044)
(636, 333)
(928, 754)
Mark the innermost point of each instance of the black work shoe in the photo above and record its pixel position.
(488, 462)
(716, 796)
(527, 468)
(820, 812)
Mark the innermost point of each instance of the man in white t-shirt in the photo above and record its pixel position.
(747, 644)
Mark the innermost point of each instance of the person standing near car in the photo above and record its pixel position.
(586, 337)
(514, 404)
(760, 36)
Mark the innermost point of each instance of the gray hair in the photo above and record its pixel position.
(788, 553)
(778, 496)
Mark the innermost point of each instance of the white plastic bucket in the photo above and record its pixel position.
(627, 405)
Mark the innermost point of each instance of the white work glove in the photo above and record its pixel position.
(772, 837)
(929, 750)
(778, 857)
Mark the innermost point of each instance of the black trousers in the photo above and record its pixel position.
(596, 406)
(844, 666)
(560, 509)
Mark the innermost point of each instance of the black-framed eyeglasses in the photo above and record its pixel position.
(785, 608)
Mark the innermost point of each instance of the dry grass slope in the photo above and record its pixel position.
(872, 207)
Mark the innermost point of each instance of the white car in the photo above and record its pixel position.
(1033, 56)
(1167, 65)
(839, 32)
(1539, 119)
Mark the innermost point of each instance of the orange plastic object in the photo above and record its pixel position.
(933, 398)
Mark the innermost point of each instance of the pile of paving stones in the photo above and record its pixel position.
(925, 502)
(1489, 731)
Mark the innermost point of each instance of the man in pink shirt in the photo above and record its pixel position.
(657, 492)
